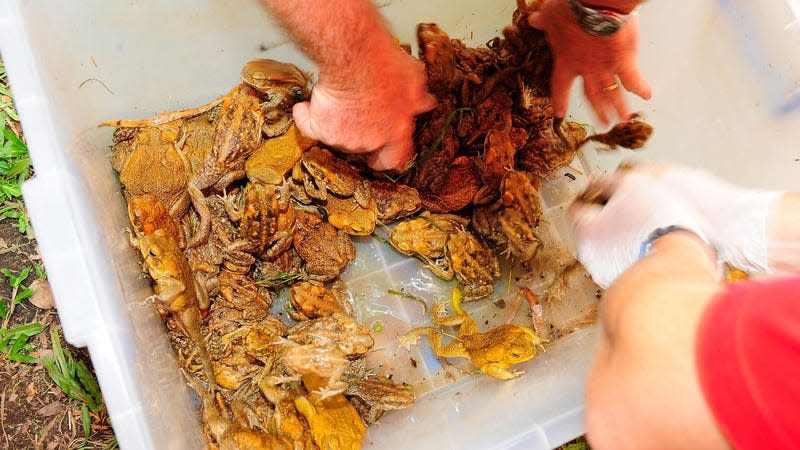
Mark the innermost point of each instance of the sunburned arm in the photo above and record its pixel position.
(783, 234)
(344, 37)
(623, 6)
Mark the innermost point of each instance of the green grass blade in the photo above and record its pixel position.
(87, 422)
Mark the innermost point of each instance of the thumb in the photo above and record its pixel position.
(393, 155)
(536, 20)
(305, 122)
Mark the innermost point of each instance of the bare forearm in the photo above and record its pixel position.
(783, 234)
(344, 37)
(623, 6)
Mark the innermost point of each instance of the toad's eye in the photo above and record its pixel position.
(297, 93)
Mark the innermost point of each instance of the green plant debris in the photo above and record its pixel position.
(72, 376)
(429, 152)
(278, 280)
(409, 296)
(377, 326)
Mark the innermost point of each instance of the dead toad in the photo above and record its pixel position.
(475, 264)
(277, 156)
(493, 352)
(394, 200)
(372, 395)
(175, 286)
(348, 215)
(283, 84)
(156, 167)
(326, 172)
(236, 136)
(325, 250)
(519, 215)
(425, 237)
(312, 300)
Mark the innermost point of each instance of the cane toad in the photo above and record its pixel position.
(326, 172)
(277, 156)
(236, 136)
(175, 286)
(147, 214)
(394, 200)
(519, 215)
(493, 352)
(156, 167)
(283, 85)
(326, 250)
(348, 215)
(310, 301)
(372, 395)
(425, 237)
(336, 330)
(475, 264)
(268, 219)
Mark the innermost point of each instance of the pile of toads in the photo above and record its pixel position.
(229, 204)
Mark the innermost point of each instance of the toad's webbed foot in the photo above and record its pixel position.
(412, 337)
(501, 373)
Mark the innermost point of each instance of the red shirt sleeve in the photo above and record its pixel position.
(748, 359)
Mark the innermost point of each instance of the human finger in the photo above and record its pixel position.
(617, 99)
(536, 20)
(633, 81)
(393, 155)
(306, 124)
(426, 103)
(560, 85)
(593, 92)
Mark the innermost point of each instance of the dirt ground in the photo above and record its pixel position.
(34, 412)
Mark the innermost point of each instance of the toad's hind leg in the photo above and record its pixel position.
(452, 349)
(495, 370)
(204, 228)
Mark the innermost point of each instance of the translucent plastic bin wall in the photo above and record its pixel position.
(723, 73)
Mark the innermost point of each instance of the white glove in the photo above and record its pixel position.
(609, 237)
(732, 219)
(737, 216)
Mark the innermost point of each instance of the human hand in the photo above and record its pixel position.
(617, 213)
(599, 60)
(642, 390)
(372, 112)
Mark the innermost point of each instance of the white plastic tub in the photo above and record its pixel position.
(723, 79)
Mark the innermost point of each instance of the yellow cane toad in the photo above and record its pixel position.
(475, 264)
(493, 352)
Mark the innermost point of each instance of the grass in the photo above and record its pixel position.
(19, 343)
(15, 163)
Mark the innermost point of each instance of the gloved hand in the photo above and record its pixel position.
(373, 112)
(730, 218)
(736, 216)
(616, 215)
(599, 60)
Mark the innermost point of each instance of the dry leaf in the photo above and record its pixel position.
(53, 445)
(51, 409)
(3, 243)
(30, 391)
(42, 295)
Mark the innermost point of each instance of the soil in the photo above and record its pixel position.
(34, 412)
